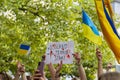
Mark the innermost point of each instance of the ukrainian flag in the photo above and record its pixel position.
(24, 49)
(89, 29)
(108, 28)
(108, 5)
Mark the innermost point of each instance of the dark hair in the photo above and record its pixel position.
(28, 77)
(5, 76)
(110, 76)
(74, 79)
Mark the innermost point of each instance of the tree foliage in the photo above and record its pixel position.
(38, 22)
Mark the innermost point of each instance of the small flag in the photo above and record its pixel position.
(89, 29)
(24, 49)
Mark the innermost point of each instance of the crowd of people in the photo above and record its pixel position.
(55, 72)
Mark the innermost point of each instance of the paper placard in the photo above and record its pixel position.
(60, 51)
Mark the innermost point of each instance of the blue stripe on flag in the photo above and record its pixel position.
(86, 20)
(25, 47)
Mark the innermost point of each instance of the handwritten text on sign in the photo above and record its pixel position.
(60, 51)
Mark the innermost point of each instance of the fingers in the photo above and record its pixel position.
(43, 57)
(18, 64)
(37, 75)
(61, 63)
(20, 68)
(50, 64)
(37, 71)
(97, 49)
(109, 65)
(59, 67)
(98, 54)
(77, 57)
(38, 78)
(76, 54)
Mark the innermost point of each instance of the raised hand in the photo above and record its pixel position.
(38, 76)
(98, 54)
(20, 68)
(55, 72)
(109, 66)
(77, 57)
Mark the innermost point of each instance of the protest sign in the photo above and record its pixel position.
(60, 51)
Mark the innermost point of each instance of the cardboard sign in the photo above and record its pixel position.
(60, 51)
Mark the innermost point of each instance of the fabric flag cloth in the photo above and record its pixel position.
(111, 37)
(89, 29)
(107, 4)
(24, 49)
(110, 22)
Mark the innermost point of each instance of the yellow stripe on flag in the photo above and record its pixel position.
(23, 52)
(112, 40)
(89, 34)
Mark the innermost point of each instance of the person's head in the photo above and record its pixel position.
(5, 76)
(28, 77)
(109, 66)
(74, 79)
(110, 76)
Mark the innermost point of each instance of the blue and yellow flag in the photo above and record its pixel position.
(108, 28)
(110, 21)
(89, 29)
(108, 5)
(24, 49)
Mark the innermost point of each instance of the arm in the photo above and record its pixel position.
(20, 71)
(52, 71)
(99, 57)
(23, 72)
(17, 75)
(59, 67)
(24, 76)
(55, 72)
(57, 75)
(82, 73)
